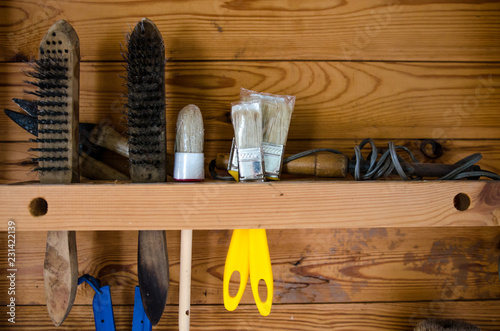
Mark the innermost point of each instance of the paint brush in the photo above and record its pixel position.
(189, 166)
(276, 116)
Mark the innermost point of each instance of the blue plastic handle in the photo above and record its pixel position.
(140, 321)
(101, 304)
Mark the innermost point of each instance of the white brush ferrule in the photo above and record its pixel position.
(273, 159)
(250, 164)
(189, 166)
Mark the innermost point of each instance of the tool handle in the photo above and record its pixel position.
(260, 269)
(153, 272)
(95, 169)
(60, 274)
(140, 321)
(435, 170)
(319, 165)
(185, 279)
(106, 136)
(236, 261)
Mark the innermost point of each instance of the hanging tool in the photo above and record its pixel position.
(145, 64)
(102, 306)
(140, 321)
(248, 255)
(56, 75)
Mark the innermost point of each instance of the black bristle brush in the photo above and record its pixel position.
(145, 110)
(56, 76)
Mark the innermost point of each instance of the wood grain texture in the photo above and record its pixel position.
(212, 30)
(352, 100)
(15, 165)
(359, 316)
(280, 205)
(309, 266)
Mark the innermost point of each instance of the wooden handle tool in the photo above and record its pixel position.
(318, 165)
(329, 165)
(57, 74)
(147, 150)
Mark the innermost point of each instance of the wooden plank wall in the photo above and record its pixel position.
(403, 70)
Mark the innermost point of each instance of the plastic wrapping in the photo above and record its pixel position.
(247, 123)
(189, 158)
(276, 116)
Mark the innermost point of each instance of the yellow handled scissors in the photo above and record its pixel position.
(249, 255)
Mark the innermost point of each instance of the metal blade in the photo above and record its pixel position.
(29, 107)
(30, 124)
(26, 122)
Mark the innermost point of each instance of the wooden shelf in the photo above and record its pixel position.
(280, 205)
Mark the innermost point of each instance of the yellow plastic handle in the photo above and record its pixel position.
(236, 260)
(260, 268)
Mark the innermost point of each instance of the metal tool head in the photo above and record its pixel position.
(30, 107)
(26, 122)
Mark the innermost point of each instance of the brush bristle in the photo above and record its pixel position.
(51, 78)
(189, 137)
(247, 123)
(433, 324)
(55, 75)
(145, 64)
(276, 116)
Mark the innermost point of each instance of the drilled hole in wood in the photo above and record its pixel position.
(38, 207)
(187, 312)
(461, 201)
(235, 277)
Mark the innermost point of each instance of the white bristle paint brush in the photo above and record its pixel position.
(189, 166)
(248, 253)
(276, 116)
(247, 123)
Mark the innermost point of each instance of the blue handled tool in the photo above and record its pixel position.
(140, 321)
(103, 308)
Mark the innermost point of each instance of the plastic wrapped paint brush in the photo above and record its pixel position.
(247, 123)
(276, 116)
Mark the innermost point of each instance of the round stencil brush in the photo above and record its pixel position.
(189, 166)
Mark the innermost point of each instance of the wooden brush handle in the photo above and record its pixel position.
(60, 274)
(185, 279)
(319, 165)
(94, 169)
(107, 137)
(61, 264)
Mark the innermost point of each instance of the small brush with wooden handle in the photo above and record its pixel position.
(189, 167)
